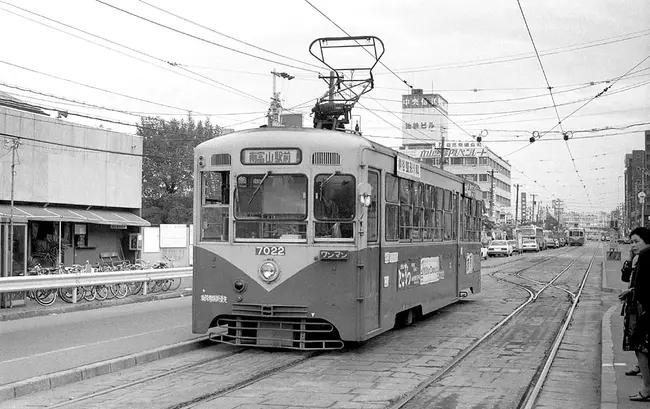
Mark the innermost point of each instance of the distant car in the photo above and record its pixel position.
(484, 253)
(530, 245)
(499, 248)
(550, 242)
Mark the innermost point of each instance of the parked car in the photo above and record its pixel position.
(550, 242)
(499, 248)
(530, 245)
(515, 247)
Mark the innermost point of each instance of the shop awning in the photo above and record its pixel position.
(61, 214)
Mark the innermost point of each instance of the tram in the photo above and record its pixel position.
(309, 238)
(306, 238)
(576, 236)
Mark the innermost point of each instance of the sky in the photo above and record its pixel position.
(481, 56)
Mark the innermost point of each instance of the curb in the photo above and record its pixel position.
(17, 314)
(608, 388)
(50, 381)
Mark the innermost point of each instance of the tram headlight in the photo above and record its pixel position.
(239, 285)
(269, 271)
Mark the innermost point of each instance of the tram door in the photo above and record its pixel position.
(373, 261)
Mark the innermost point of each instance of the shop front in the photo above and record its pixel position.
(53, 236)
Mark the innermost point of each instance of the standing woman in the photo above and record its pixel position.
(636, 332)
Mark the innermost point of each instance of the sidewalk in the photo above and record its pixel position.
(32, 309)
(616, 387)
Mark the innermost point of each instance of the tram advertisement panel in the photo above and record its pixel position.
(416, 272)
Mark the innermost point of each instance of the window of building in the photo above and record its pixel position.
(483, 177)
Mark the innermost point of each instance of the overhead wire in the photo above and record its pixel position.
(221, 85)
(97, 88)
(518, 57)
(202, 39)
(386, 67)
(228, 36)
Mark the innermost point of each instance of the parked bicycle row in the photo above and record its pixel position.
(47, 297)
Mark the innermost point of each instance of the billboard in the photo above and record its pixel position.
(423, 117)
(524, 210)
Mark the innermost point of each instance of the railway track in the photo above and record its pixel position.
(253, 376)
(419, 398)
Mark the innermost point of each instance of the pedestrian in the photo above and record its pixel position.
(636, 331)
(626, 274)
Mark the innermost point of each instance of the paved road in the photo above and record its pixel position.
(42, 345)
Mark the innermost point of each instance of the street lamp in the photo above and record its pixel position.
(641, 196)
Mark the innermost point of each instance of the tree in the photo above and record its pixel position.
(167, 166)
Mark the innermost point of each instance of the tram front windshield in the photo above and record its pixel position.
(271, 206)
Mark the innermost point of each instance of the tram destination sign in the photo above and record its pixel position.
(408, 168)
(271, 156)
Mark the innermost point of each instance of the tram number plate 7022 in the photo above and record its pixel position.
(269, 251)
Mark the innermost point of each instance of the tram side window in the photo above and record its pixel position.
(418, 211)
(447, 221)
(215, 205)
(454, 212)
(373, 209)
(437, 227)
(466, 219)
(405, 208)
(392, 208)
(429, 213)
(478, 217)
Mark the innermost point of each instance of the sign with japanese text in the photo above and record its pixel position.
(289, 156)
(419, 101)
(407, 167)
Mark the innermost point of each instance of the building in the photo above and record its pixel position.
(477, 163)
(77, 191)
(635, 182)
(422, 120)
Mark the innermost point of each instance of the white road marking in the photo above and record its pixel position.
(89, 345)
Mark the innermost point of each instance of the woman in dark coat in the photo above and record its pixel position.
(636, 333)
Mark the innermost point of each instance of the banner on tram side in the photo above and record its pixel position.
(416, 272)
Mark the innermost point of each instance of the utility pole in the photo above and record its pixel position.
(517, 206)
(13, 144)
(442, 152)
(492, 194)
(276, 105)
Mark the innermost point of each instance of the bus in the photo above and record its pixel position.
(576, 236)
(307, 238)
(533, 232)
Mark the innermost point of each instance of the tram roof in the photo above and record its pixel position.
(295, 136)
(319, 138)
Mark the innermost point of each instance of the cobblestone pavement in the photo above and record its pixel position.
(380, 371)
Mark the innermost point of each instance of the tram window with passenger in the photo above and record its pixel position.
(405, 209)
(215, 203)
(271, 207)
(334, 205)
